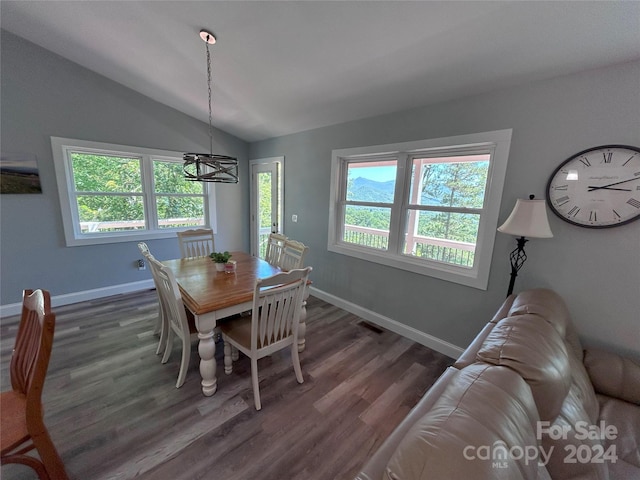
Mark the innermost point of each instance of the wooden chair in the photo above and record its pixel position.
(196, 243)
(292, 256)
(22, 426)
(275, 245)
(160, 327)
(180, 321)
(272, 326)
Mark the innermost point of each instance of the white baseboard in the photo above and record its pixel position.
(411, 333)
(86, 295)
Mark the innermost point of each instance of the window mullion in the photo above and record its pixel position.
(398, 215)
(148, 189)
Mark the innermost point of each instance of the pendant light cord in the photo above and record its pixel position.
(209, 89)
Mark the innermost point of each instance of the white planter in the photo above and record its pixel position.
(220, 267)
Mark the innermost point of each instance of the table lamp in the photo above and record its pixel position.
(528, 219)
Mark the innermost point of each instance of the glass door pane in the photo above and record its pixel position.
(266, 205)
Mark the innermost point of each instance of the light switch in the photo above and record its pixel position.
(294, 218)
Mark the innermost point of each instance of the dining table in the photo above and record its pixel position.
(211, 295)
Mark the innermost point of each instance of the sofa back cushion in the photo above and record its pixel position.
(550, 306)
(532, 348)
(482, 427)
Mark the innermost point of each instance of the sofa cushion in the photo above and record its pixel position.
(533, 348)
(571, 447)
(624, 417)
(550, 306)
(469, 355)
(479, 428)
(613, 375)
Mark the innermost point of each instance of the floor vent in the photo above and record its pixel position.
(370, 326)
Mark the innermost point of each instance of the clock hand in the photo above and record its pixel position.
(615, 183)
(591, 189)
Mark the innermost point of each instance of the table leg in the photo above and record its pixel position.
(207, 351)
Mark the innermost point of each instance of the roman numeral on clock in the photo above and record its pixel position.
(562, 200)
(593, 216)
(574, 211)
(607, 156)
(561, 187)
(633, 202)
(585, 161)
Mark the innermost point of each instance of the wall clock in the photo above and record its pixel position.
(598, 187)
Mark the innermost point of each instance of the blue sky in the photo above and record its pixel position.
(379, 174)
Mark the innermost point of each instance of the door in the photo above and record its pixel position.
(266, 201)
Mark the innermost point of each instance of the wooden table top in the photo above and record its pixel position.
(205, 290)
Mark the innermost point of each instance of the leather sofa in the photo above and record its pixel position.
(523, 401)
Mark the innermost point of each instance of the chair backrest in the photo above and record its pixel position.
(32, 350)
(275, 245)
(292, 256)
(277, 303)
(171, 298)
(154, 266)
(196, 243)
(144, 249)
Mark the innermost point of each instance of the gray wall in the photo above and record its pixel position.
(44, 95)
(596, 271)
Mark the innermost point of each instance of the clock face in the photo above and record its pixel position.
(597, 188)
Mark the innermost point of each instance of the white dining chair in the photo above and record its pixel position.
(272, 326)
(161, 323)
(196, 243)
(292, 256)
(180, 321)
(275, 245)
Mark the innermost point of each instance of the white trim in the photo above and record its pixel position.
(61, 149)
(83, 296)
(411, 333)
(278, 162)
(497, 143)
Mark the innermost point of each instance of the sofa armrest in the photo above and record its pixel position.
(375, 467)
(613, 375)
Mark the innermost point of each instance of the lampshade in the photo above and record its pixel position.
(528, 219)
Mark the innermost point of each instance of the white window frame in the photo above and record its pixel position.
(496, 143)
(62, 149)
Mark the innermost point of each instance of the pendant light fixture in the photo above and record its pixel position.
(207, 167)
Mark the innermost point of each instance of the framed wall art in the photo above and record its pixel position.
(19, 173)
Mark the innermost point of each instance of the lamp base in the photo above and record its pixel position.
(517, 258)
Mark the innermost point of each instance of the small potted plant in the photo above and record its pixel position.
(220, 258)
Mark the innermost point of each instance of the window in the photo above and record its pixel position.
(430, 206)
(115, 193)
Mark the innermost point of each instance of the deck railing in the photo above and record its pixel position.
(431, 248)
(123, 225)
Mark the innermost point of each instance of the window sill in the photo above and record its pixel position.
(442, 271)
(102, 238)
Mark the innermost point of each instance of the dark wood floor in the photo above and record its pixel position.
(114, 412)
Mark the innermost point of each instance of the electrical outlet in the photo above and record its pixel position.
(141, 264)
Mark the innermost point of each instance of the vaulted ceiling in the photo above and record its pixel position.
(285, 67)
